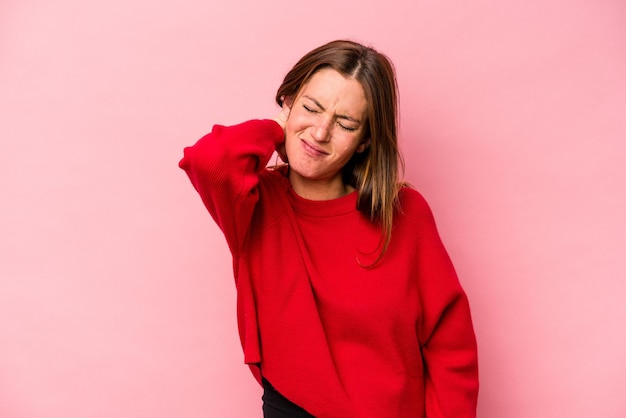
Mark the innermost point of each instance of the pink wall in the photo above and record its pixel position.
(116, 297)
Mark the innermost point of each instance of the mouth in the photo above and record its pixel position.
(312, 149)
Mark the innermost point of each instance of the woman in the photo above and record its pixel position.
(348, 304)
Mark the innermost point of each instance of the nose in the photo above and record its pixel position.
(321, 130)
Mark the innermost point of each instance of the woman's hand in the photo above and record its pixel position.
(281, 119)
(283, 115)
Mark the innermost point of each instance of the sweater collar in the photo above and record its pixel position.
(323, 208)
(317, 208)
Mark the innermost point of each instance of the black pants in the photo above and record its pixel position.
(276, 405)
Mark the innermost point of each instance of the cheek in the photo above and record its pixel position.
(351, 145)
(296, 124)
(291, 137)
(296, 120)
(290, 131)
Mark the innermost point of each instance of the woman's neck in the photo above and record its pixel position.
(319, 189)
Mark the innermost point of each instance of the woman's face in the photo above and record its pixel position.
(325, 128)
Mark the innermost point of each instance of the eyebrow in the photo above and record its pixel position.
(318, 104)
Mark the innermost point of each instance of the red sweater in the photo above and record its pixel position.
(338, 339)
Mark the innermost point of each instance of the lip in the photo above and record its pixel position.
(312, 149)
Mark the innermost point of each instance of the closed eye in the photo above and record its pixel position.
(342, 126)
(347, 128)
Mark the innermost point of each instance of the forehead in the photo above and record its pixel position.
(332, 89)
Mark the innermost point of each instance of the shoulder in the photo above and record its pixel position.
(412, 202)
(414, 212)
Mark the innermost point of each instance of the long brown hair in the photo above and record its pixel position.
(374, 172)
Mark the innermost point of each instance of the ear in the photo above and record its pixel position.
(364, 145)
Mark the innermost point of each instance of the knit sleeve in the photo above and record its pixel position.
(446, 333)
(224, 168)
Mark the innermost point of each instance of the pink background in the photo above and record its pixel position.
(116, 296)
